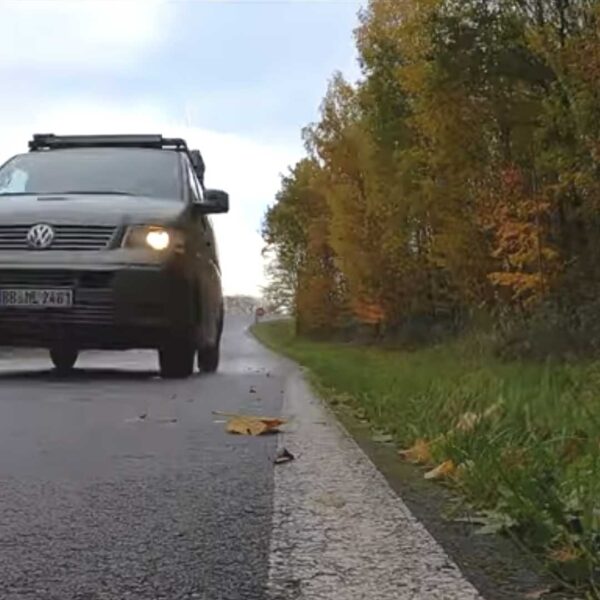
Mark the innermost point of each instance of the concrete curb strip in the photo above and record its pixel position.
(339, 531)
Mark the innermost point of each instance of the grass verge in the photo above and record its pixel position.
(520, 441)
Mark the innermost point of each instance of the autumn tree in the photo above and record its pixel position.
(304, 274)
(462, 171)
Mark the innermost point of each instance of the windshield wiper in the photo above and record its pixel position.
(88, 193)
(18, 194)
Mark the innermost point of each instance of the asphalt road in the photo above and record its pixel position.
(117, 485)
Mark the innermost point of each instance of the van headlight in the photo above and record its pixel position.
(159, 239)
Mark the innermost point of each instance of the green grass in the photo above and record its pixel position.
(533, 467)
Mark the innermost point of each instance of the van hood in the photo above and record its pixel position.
(90, 209)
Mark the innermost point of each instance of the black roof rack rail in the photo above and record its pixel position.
(49, 141)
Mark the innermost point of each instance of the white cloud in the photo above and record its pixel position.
(79, 33)
(247, 168)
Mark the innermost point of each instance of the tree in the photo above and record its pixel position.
(461, 172)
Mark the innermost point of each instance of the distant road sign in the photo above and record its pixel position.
(260, 311)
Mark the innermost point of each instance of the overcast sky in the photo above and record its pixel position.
(237, 78)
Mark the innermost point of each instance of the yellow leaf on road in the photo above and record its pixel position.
(420, 453)
(252, 425)
(245, 426)
(446, 469)
(273, 423)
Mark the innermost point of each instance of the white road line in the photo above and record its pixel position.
(339, 531)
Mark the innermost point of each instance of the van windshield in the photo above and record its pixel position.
(127, 171)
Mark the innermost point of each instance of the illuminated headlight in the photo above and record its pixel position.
(156, 238)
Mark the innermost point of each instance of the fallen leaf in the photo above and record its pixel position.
(273, 422)
(252, 390)
(246, 426)
(283, 456)
(419, 453)
(445, 469)
(251, 425)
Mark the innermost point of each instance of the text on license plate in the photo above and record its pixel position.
(36, 298)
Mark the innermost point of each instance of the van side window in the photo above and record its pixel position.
(193, 184)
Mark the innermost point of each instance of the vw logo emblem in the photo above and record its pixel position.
(40, 236)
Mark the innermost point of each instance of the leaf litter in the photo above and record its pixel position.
(283, 456)
(419, 453)
(382, 438)
(445, 469)
(250, 424)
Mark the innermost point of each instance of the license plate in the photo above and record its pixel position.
(44, 298)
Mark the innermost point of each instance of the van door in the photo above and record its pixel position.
(207, 274)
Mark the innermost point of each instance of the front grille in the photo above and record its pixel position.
(48, 278)
(66, 237)
(93, 297)
(38, 318)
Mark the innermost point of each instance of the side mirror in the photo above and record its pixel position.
(215, 201)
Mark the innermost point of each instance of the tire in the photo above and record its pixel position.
(63, 359)
(208, 357)
(176, 360)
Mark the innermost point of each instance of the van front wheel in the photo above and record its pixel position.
(63, 359)
(176, 360)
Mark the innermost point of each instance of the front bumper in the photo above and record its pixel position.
(118, 307)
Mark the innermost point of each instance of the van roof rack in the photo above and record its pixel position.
(49, 141)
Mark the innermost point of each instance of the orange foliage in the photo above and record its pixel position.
(527, 263)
